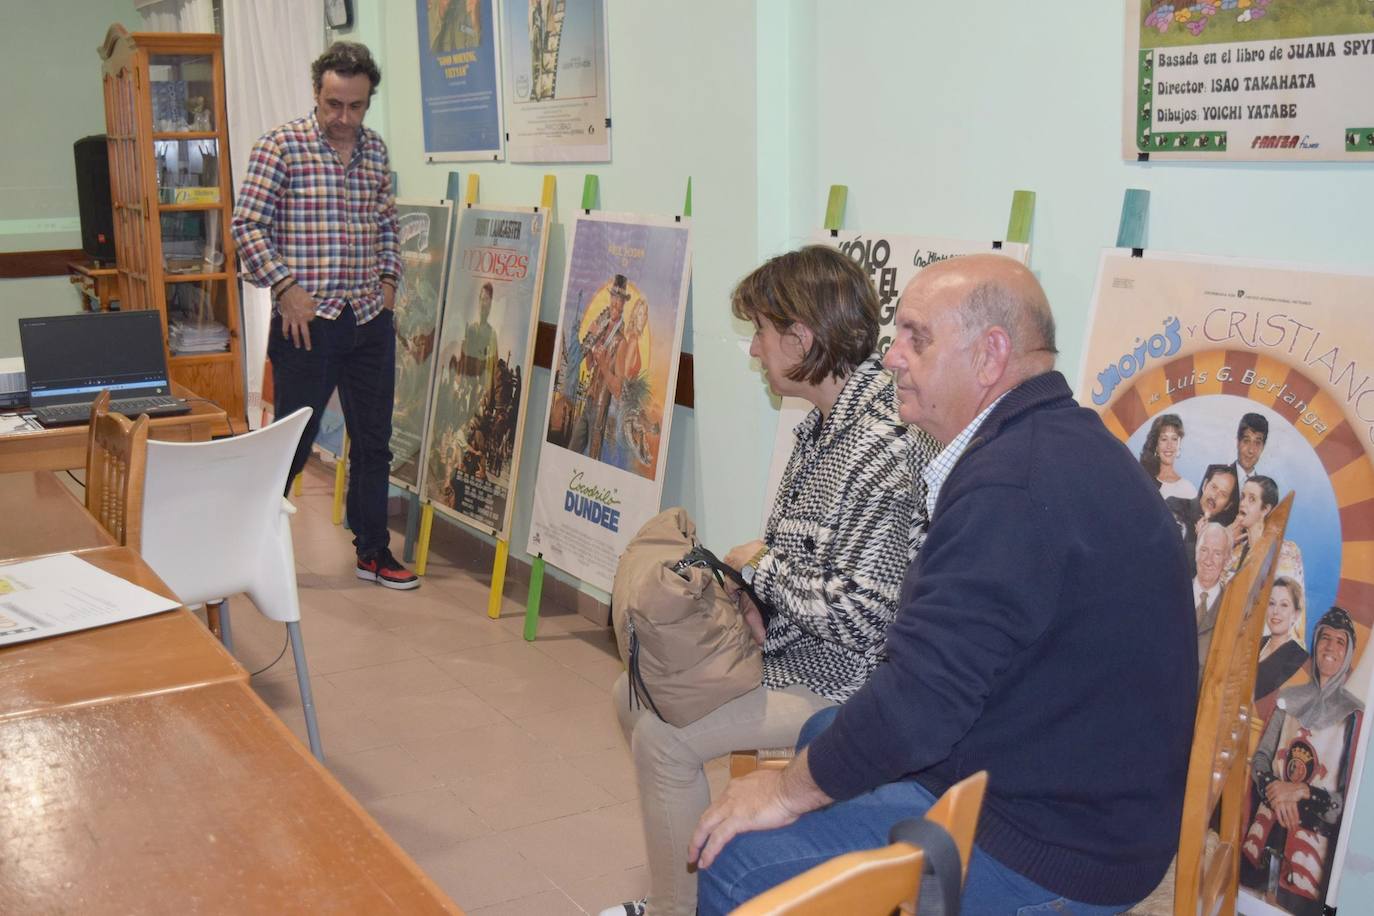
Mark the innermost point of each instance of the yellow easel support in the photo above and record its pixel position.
(340, 480)
(498, 579)
(298, 486)
(422, 543)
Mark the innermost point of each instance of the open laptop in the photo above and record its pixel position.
(70, 359)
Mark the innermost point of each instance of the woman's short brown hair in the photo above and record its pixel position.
(824, 290)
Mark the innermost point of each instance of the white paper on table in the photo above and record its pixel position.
(64, 593)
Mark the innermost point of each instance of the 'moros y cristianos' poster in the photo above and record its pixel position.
(1236, 382)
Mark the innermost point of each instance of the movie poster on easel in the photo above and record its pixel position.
(460, 73)
(423, 228)
(486, 348)
(1236, 382)
(891, 261)
(555, 81)
(1249, 80)
(611, 400)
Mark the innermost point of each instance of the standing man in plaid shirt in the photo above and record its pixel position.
(316, 222)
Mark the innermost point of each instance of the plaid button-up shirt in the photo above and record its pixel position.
(303, 215)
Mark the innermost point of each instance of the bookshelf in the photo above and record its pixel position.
(172, 197)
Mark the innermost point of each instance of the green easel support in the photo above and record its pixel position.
(591, 193)
(834, 208)
(687, 204)
(1135, 211)
(455, 188)
(536, 594)
(1019, 223)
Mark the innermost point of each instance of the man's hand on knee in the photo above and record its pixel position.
(763, 800)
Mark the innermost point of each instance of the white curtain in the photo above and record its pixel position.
(177, 15)
(268, 48)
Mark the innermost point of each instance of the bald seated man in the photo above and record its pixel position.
(1046, 634)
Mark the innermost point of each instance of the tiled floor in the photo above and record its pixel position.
(495, 762)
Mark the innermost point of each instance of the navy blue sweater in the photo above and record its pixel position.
(1046, 635)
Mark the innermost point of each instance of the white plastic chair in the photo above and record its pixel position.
(215, 523)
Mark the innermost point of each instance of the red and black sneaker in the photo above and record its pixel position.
(383, 569)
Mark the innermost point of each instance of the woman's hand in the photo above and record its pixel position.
(738, 556)
(753, 618)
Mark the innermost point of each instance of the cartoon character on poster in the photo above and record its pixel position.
(602, 406)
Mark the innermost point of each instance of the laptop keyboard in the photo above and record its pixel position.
(131, 407)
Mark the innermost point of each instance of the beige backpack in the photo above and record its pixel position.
(685, 645)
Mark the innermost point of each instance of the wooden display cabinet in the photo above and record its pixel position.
(171, 190)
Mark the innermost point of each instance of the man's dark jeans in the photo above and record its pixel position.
(360, 360)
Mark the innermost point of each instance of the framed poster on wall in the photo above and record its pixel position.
(611, 401)
(485, 353)
(460, 72)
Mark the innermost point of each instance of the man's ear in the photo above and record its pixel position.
(992, 356)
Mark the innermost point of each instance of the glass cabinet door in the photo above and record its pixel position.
(187, 171)
(183, 93)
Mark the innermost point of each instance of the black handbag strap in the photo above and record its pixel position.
(943, 871)
(703, 557)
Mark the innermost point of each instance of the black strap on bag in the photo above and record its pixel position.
(943, 877)
(702, 557)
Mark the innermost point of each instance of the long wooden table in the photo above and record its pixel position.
(64, 447)
(139, 772)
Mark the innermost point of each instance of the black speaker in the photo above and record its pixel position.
(93, 197)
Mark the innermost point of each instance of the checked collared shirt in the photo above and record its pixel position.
(304, 215)
(937, 472)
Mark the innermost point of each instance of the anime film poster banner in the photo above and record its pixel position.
(1236, 382)
(611, 398)
(1249, 79)
(891, 261)
(486, 345)
(460, 96)
(554, 75)
(424, 235)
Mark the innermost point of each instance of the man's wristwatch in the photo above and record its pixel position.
(749, 569)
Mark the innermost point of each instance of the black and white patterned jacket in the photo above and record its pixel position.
(845, 525)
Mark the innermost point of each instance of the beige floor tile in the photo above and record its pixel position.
(438, 637)
(612, 770)
(331, 653)
(552, 903)
(529, 794)
(545, 691)
(600, 674)
(342, 731)
(510, 660)
(586, 845)
(411, 677)
(577, 730)
(477, 751)
(427, 821)
(482, 872)
(379, 772)
(595, 894)
(429, 714)
(579, 647)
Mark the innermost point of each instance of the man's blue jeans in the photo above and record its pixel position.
(754, 862)
(360, 360)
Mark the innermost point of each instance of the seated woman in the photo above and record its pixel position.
(1163, 444)
(830, 563)
(1281, 651)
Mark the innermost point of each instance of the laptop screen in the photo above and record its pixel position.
(72, 358)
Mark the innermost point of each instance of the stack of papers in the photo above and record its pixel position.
(197, 337)
(64, 593)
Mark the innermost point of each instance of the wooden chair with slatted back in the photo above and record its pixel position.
(875, 882)
(1207, 870)
(116, 460)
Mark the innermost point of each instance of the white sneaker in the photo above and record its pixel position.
(629, 908)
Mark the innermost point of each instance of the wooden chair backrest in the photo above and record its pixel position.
(116, 462)
(875, 882)
(1218, 768)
